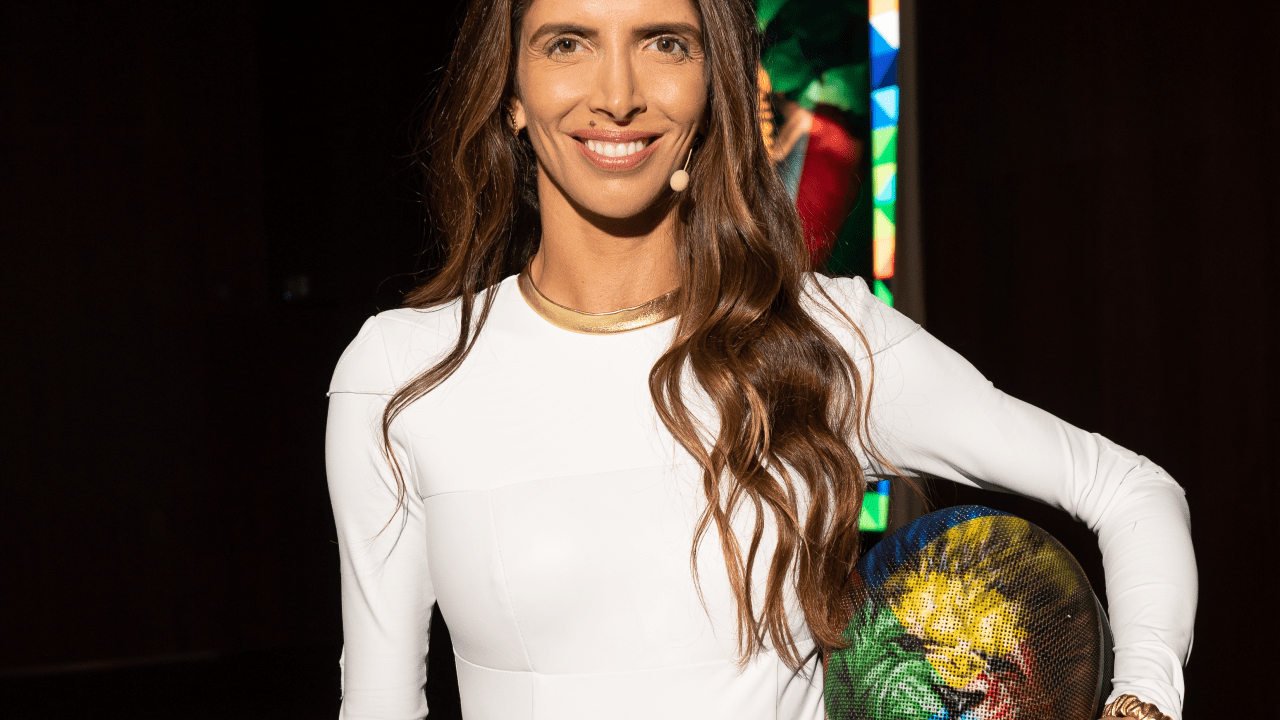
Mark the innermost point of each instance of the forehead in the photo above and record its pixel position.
(609, 14)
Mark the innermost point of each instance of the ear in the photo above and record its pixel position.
(515, 109)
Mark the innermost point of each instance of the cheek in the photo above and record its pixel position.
(548, 96)
(680, 94)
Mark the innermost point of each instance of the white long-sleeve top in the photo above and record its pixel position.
(550, 514)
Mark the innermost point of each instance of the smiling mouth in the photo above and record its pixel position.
(616, 150)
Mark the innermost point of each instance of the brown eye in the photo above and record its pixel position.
(668, 45)
(564, 46)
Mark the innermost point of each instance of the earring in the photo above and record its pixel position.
(680, 178)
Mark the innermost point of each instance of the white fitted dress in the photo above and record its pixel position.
(551, 516)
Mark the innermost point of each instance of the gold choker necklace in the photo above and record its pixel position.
(618, 321)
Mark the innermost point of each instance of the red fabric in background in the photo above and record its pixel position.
(828, 186)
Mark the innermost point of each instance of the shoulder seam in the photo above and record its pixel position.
(899, 339)
(386, 362)
(410, 323)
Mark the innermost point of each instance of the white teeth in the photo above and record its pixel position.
(616, 149)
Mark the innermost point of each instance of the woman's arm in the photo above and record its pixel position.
(386, 589)
(934, 413)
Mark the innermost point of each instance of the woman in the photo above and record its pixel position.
(652, 512)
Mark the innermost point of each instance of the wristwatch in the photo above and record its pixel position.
(1129, 706)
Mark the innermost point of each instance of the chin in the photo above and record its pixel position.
(618, 200)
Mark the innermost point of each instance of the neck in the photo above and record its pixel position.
(596, 264)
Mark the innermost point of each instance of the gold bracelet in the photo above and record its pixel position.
(1129, 706)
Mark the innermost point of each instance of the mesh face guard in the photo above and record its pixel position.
(970, 614)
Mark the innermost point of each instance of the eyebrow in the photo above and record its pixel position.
(561, 29)
(677, 28)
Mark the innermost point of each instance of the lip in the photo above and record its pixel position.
(616, 164)
(614, 136)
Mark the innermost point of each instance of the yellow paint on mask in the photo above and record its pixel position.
(952, 607)
(961, 622)
(968, 550)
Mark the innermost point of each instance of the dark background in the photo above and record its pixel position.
(201, 204)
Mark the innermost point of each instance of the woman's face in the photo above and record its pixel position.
(612, 93)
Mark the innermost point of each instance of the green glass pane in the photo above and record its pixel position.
(881, 176)
(875, 513)
(884, 146)
(882, 292)
(885, 214)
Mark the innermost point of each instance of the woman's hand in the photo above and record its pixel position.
(1130, 707)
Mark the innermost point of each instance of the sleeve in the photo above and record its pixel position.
(386, 589)
(933, 413)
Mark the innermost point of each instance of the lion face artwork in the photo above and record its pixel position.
(969, 614)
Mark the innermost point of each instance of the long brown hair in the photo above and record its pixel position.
(789, 398)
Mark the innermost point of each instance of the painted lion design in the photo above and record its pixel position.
(970, 614)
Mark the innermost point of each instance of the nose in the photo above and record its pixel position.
(959, 702)
(617, 93)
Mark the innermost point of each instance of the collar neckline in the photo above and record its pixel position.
(610, 323)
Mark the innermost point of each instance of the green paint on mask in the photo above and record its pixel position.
(882, 674)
